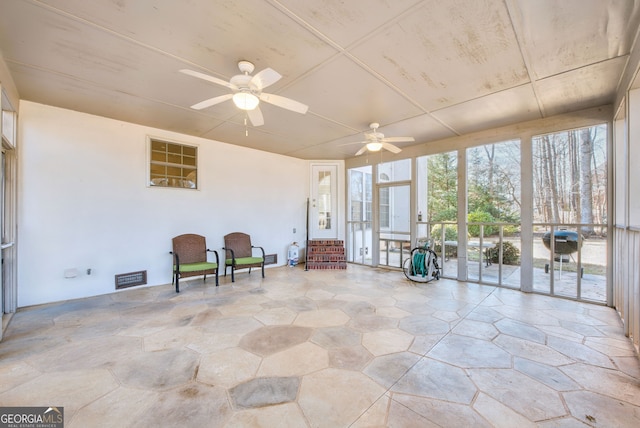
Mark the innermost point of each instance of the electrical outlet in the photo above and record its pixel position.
(294, 230)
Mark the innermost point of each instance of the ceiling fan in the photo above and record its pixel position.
(375, 141)
(247, 92)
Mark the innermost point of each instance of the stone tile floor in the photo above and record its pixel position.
(361, 347)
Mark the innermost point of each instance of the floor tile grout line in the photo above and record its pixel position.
(422, 357)
(438, 305)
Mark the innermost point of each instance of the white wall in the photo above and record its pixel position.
(83, 202)
(626, 203)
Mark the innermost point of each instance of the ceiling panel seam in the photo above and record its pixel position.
(511, 9)
(346, 50)
(123, 36)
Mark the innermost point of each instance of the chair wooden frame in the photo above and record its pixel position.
(190, 258)
(239, 253)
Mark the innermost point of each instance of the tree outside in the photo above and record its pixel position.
(570, 178)
(569, 181)
(569, 195)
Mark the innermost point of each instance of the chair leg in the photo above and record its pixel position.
(233, 279)
(177, 282)
(217, 277)
(262, 269)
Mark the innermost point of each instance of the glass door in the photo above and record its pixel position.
(359, 223)
(394, 224)
(8, 285)
(323, 202)
(394, 212)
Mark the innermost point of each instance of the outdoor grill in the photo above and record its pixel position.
(565, 244)
(566, 241)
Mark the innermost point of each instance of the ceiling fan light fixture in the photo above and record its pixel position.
(245, 100)
(374, 147)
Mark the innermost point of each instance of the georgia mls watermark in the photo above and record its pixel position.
(31, 417)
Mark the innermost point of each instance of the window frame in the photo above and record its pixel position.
(150, 163)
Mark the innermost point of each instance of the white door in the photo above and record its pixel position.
(323, 203)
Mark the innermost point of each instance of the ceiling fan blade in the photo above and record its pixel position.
(211, 102)
(361, 151)
(398, 140)
(354, 142)
(265, 78)
(284, 102)
(255, 116)
(209, 78)
(391, 148)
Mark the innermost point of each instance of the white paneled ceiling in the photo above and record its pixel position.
(429, 69)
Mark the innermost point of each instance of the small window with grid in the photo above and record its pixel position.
(173, 165)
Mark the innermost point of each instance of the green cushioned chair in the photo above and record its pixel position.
(190, 258)
(239, 253)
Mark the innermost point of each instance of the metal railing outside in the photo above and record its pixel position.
(582, 244)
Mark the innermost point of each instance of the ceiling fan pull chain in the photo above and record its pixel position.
(246, 128)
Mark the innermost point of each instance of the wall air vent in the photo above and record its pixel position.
(131, 279)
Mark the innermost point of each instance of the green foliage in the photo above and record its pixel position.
(491, 184)
(450, 232)
(493, 181)
(447, 214)
(481, 217)
(510, 254)
(442, 170)
(510, 230)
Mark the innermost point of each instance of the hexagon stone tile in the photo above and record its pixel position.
(357, 348)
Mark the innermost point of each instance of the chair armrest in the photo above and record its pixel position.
(233, 256)
(176, 259)
(216, 253)
(260, 248)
